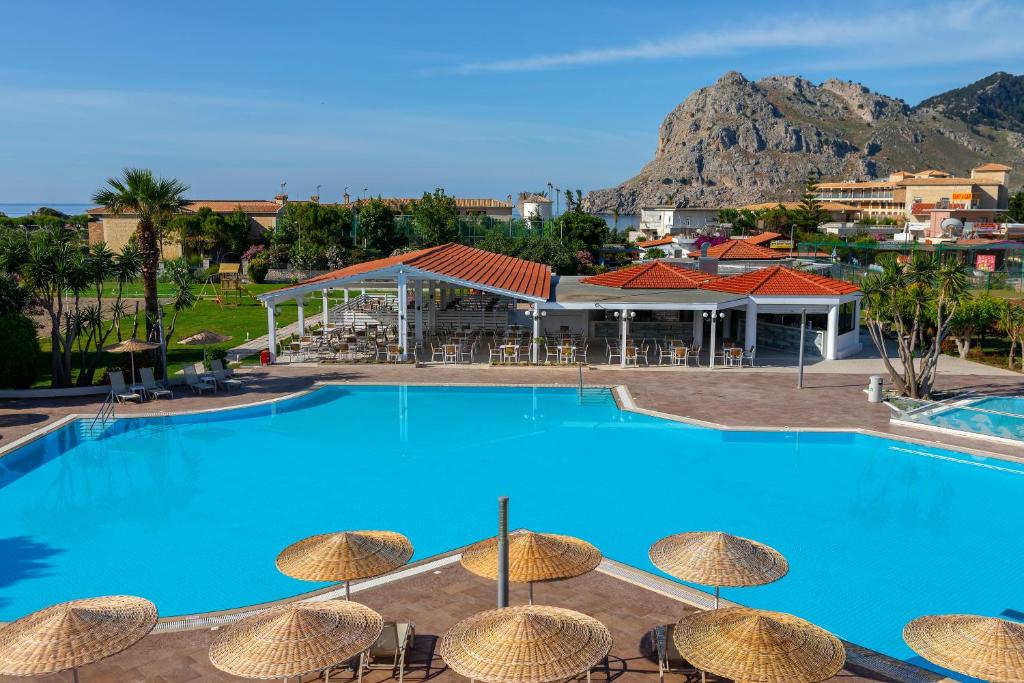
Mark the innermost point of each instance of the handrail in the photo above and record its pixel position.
(106, 409)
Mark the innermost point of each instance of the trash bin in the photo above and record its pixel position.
(265, 357)
(875, 389)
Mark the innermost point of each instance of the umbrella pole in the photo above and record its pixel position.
(716, 596)
(503, 551)
(74, 675)
(346, 590)
(132, 354)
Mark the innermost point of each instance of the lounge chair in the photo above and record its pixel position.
(195, 383)
(217, 365)
(220, 377)
(389, 650)
(150, 386)
(119, 390)
(669, 658)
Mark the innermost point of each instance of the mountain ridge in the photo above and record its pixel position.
(739, 141)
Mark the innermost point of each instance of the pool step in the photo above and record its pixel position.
(595, 396)
(92, 430)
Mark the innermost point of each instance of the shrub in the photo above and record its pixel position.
(219, 354)
(21, 351)
(258, 268)
(253, 251)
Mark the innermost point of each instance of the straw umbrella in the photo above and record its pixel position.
(718, 559)
(296, 639)
(204, 338)
(533, 557)
(745, 644)
(73, 634)
(130, 346)
(983, 647)
(345, 556)
(525, 644)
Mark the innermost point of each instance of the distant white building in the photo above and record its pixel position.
(535, 206)
(661, 221)
(673, 246)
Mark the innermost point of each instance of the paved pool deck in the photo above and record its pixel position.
(437, 599)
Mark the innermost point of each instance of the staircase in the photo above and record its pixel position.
(93, 430)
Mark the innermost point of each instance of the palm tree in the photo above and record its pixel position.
(153, 199)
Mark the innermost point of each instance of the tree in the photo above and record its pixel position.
(184, 279)
(377, 227)
(973, 316)
(1011, 322)
(582, 230)
(809, 215)
(316, 226)
(226, 234)
(154, 200)
(655, 252)
(436, 219)
(562, 258)
(1015, 209)
(916, 302)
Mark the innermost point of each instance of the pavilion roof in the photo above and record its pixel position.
(653, 275)
(741, 250)
(781, 281)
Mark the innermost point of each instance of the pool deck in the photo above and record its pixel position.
(729, 397)
(436, 599)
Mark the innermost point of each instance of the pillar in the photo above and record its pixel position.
(750, 332)
(302, 316)
(534, 346)
(624, 334)
(432, 309)
(271, 332)
(856, 321)
(417, 299)
(403, 324)
(711, 350)
(832, 333)
(327, 310)
(346, 295)
(698, 328)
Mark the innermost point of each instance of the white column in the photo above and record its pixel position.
(698, 328)
(856, 321)
(625, 335)
(432, 309)
(417, 298)
(535, 355)
(403, 324)
(346, 294)
(750, 331)
(832, 334)
(714, 324)
(271, 332)
(302, 316)
(362, 291)
(327, 310)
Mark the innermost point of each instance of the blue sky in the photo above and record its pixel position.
(482, 98)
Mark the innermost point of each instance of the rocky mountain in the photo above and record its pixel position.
(996, 100)
(739, 142)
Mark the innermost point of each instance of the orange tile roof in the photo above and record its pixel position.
(740, 250)
(654, 275)
(763, 238)
(949, 180)
(656, 243)
(457, 261)
(992, 167)
(400, 203)
(781, 281)
(216, 205)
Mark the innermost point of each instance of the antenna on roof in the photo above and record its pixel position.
(317, 190)
(283, 183)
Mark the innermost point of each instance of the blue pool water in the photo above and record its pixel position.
(1001, 416)
(190, 511)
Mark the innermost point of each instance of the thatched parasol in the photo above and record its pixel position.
(525, 644)
(533, 557)
(296, 639)
(718, 559)
(73, 634)
(745, 644)
(130, 346)
(983, 647)
(345, 556)
(204, 338)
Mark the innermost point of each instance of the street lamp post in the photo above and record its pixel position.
(714, 318)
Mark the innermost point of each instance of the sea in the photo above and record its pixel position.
(15, 209)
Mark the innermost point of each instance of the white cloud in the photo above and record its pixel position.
(934, 33)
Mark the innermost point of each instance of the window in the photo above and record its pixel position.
(847, 314)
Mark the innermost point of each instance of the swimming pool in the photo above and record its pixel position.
(190, 511)
(998, 416)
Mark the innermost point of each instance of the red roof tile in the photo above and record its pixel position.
(761, 239)
(740, 250)
(654, 275)
(655, 243)
(457, 261)
(781, 281)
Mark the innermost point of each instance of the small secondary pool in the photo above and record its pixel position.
(190, 511)
(999, 416)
